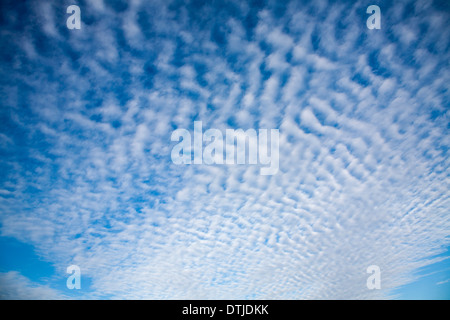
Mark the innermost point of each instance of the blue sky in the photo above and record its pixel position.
(85, 150)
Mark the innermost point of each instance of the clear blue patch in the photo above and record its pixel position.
(433, 282)
(21, 257)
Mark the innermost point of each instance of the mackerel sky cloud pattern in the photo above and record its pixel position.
(86, 170)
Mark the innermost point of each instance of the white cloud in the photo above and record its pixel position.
(362, 179)
(14, 286)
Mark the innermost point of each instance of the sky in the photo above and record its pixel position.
(87, 179)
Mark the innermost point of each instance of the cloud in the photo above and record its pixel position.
(363, 119)
(442, 282)
(14, 286)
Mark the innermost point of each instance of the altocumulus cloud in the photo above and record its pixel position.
(87, 116)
